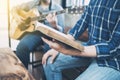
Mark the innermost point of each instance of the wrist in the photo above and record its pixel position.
(89, 51)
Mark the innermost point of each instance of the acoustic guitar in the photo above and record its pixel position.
(18, 29)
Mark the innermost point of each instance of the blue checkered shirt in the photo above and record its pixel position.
(102, 20)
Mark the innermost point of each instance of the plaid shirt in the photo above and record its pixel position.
(102, 19)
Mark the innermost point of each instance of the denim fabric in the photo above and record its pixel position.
(53, 71)
(28, 44)
(93, 72)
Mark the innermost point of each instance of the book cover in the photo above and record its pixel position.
(50, 33)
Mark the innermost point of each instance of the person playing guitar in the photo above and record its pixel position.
(24, 24)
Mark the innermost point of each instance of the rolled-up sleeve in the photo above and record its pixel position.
(112, 47)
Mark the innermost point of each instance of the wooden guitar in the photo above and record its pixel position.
(18, 29)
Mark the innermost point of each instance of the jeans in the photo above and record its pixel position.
(93, 72)
(28, 44)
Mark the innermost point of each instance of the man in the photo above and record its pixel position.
(102, 52)
(31, 41)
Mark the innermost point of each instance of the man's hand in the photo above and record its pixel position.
(55, 45)
(52, 19)
(53, 53)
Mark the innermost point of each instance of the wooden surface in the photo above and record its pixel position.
(59, 36)
(11, 67)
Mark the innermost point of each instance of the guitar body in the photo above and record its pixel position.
(18, 29)
(18, 34)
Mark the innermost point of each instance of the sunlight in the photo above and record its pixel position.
(17, 2)
(3, 14)
(4, 41)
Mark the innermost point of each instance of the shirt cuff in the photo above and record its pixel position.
(102, 51)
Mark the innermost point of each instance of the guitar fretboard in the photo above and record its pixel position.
(42, 17)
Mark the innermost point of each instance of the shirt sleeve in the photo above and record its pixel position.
(81, 24)
(112, 47)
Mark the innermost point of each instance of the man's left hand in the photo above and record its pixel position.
(52, 19)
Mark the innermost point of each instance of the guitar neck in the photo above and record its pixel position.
(42, 17)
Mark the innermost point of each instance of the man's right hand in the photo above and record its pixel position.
(57, 46)
(53, 53)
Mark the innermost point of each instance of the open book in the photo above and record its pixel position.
(51, 33)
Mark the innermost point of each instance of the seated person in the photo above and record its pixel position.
(101, 54)
(11, 67)
(31, 41)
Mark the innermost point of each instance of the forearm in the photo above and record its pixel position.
(89, 51)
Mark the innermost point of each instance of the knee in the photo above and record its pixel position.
(22, 49)
(52, 66)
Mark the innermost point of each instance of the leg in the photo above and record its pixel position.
(28, 44)
(95, 72)
(53, 71)
(45, 47)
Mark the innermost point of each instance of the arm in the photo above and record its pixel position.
(101, 50)
(52, 19)
(89, 51)
(59, 17)
(110, 48)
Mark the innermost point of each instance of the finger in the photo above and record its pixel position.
(49, 15)
(54, 14)
(52, 58)
(47, 18)
(44, 61)
(52, 44)
(44, 58)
